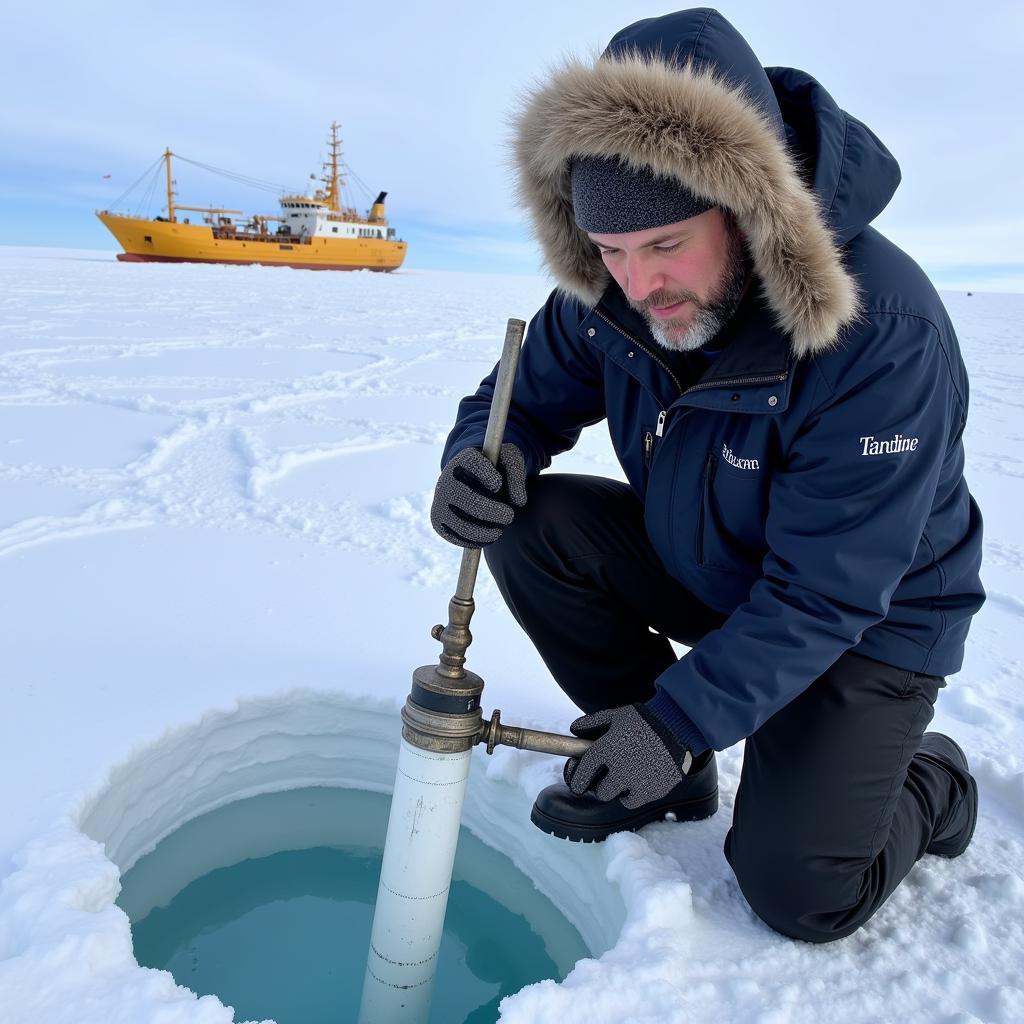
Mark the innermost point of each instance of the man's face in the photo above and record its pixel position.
(686, 279)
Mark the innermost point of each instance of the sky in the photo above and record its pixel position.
(424, 91)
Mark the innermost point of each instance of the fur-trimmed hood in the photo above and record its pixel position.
(685, 95)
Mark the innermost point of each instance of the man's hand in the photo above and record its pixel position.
(474, 500)
(633, 757)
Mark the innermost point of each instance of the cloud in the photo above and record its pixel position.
(992, 242)
(981, 279)
(423, 106)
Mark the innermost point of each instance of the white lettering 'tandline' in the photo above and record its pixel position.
(899, 443)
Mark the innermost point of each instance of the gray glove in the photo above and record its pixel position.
(633, 757)
(473, 499)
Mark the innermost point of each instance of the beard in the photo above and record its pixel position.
(711, 316)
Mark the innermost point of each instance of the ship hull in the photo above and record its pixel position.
(131, 257)
(153, 241)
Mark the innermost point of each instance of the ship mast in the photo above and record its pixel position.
(333, 195)
(170, 186)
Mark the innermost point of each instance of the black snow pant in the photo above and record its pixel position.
(833, 807)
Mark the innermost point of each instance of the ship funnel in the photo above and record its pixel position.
(377, 210)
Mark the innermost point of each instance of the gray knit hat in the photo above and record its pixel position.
(608, 196)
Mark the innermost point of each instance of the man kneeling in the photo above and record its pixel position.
(725, 305)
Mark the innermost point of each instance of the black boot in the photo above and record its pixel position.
(953, 835)
(586, 819)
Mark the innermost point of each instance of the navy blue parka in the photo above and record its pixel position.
(810, 485)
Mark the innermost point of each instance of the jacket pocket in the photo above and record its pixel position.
(730, 514)
(707, 479)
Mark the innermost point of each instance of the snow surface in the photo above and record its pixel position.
(217, 575)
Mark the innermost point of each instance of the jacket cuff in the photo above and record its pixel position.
(531, 461)
(677, 722)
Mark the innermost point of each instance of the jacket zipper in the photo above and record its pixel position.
(649, 438)
(723, 381)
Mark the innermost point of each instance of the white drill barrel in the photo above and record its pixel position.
(416, 874)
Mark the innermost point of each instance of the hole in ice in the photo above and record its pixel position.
(231, 907)
(289, 795)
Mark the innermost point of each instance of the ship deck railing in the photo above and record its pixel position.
(245, 236)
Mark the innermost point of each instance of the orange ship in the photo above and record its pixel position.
(312, 233)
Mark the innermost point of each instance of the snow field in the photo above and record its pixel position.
(214, 487)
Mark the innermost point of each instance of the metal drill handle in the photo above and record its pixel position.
(456, 637)
(496, 419)
(495, 733)
(443, 711)
(502, 399)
